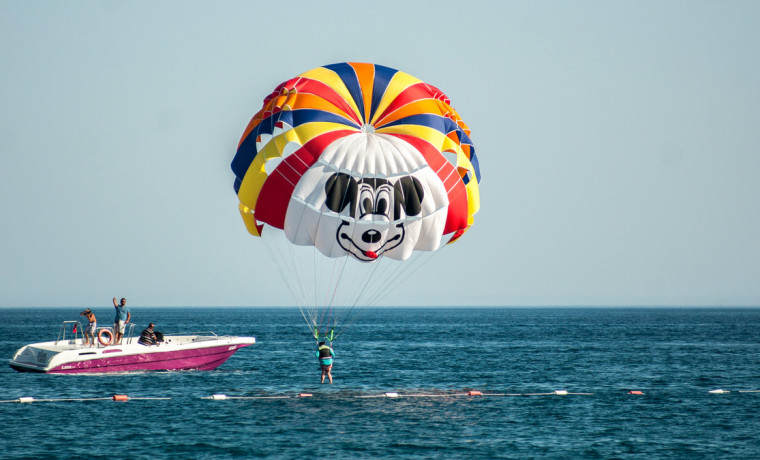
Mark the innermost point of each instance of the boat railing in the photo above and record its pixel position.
(67, 333)
(76, 332)
(127, 339)
(129, 333)
(198, 336)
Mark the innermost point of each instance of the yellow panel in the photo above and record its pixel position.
(311, 101)
(256, 175)
(332, 79)
(249, 221)
(398, 83)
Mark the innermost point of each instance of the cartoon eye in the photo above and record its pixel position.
(366, 200)
(382, 201)
(382, 206)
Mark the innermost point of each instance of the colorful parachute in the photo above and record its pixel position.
(361, 163)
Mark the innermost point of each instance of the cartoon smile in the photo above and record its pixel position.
(369, 239)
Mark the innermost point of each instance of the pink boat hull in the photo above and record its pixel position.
(177, 353)
(205, 359)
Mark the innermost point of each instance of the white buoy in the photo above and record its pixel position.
(719, 391)
(560, 392)
(391, 395)
(26, 399)
(219, 396)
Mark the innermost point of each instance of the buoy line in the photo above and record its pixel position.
(468, 393)
(27, 399)
(220, 397)
(389, 394)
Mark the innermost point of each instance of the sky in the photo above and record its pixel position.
(618, 144)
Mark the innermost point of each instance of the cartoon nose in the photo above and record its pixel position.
(371, 236)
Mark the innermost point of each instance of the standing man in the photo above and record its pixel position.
(120, 321)
(92, 325)
(325, 355)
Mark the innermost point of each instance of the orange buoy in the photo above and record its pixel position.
(120, 398)
(635, 392)
(105, 337)
(304, 395)
(474, 393)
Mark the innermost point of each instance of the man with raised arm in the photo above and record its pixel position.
(120, 321)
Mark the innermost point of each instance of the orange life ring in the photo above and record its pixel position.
(102, 340)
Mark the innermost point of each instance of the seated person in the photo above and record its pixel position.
(147, 336)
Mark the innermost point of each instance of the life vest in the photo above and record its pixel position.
(324, 352)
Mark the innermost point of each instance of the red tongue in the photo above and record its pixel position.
(371, 254)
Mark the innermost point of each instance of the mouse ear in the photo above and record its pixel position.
(408, 193)
(341, 191)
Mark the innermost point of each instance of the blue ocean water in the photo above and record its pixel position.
(674, 356)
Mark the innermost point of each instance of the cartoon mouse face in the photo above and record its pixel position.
(392, 206)
(372, 212)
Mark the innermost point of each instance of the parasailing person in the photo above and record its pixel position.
(325, 354)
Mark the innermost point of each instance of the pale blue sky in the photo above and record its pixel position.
(618, 142)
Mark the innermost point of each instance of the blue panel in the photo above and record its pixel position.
(244, 156)
(302, 116)
(463, 137)
(383, 76)
(475, 163)
(348, 75)
(444, 125)
(436, 122)
(247, 150)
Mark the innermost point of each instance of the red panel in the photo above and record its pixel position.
(413, 93)
(456, 218)
(305, 85)
(275, 194)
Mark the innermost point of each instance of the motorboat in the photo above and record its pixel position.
(69, 354)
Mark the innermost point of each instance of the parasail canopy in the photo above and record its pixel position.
(359, 162)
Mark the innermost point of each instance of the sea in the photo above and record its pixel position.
(409, 383)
